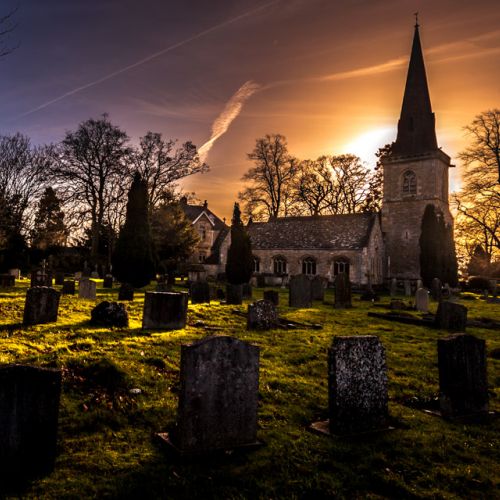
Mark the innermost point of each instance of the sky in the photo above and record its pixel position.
(327, 74)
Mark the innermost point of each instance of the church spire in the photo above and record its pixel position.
(416, 126)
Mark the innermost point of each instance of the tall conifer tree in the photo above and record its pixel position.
(239, 265)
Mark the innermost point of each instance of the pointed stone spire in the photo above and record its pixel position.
(416, 126)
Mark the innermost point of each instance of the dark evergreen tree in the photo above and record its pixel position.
(133, 261)
(450, 265)
(239, 265)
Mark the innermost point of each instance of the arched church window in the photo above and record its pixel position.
(340, 265)
(279, 264)
(409, 182)
(256, 265)
(309, 266)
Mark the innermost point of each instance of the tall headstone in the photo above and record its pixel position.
(59, 278)
(407, 284)
(262, 315)
(68, 287)
(436, 289)
(272, 296)
(218, 396)
(463, 383)
(342, 291)
(7, 281)
(29, 406)
(419, 284)
(318, 285)
(126, 292)
(300, 293)
(41, 305)
(451, 316)
(165, 310)
(107, 281)
(234, 294)
(247, 290)
(87, 289)
(422, 300)
(199, 292)
(394, 287)
(357, 385)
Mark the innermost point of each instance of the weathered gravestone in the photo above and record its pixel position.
(165, 310)
(109, 314)
(218, 396)
(87, 289)
(163, 286)
(342, 291)
(300, 293)
(422, 300)
(407, 284)
(357, 375)
(463, 383)
(69, 287)
(451, 316)
(419, 284)
(126, 292)
(247, 290)
(199, 292)
(262, 315)
(15, 272)
(436, 289)
(29, 406)
(394, 287)
(59, 278)
(39, 277)
(107, 281)
(272, 296)
(318, 285)
(7, 281)
(41, 305)
(234, 294)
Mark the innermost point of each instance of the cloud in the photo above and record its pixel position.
(231, 110)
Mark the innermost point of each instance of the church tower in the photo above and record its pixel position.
(415, 174)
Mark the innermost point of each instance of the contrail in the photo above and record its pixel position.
(231, 110)
(149, 58)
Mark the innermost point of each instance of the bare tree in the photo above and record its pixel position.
(161, 164)
(7, 26)
(270, 193)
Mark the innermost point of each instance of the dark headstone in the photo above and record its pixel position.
(318, 285)
(219, 293)
(69, 287)
(436, 289)
(262, 315)
(7, 281)
(247, 290)
(272, 296)
(422, 300)
(87, 289)
(199, 292)
(357, 385)
(59, 278)
(234, 294)
(218, 395)
(394, 287)
(165, 310)
(463, 383)
(109, 314)
(126, 292)
(407, 285)
(40, 278)
(164, 286)
(300, 291)
(107, 281)
(342, 291)
(41, 305)
(451, 316)
(29, 406)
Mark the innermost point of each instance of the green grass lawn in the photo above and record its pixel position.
(106, 445)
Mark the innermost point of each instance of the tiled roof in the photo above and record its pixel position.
(194, 211)
(327, 232)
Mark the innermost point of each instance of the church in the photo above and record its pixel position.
(370, 247)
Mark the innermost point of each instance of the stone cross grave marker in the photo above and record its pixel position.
(342, 291)
(29, 406)
(422, 300)
(41, 305)
(87, 289)
(165, 310)
(218, 396)
(463, 383)
(357, 375)
(199, 292)
(262, 315)
(300, 293)
(451, 316)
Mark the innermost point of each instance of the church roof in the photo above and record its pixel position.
(194, 212)
(416, 126)
(320, 232)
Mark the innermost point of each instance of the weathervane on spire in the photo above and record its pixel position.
(416, 19)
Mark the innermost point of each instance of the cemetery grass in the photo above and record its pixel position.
(120, 387)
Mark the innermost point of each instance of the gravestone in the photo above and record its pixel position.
(7, 281)
(68, 287)
(15, 272)
(262, 315)
(342, 291)
(41, 305)
(318, 288)
(234, 294)
(451, 316)
(59, 278)
(107, 281)
(78, 275)
(109, 314)
(126, 292)
(247, 290)
(39, 277)
(357, 372)
(463, 384)
(94, 274)
(29, 406)
(165, 310)
(272, 296)
(419, 284)
(422, 300)
(436, 289)
(394, 287)
(163, 286)
(218, 396)
(300, 293)
(87, 289)
(407, 284)
(446, 292)
(219, 293)
(199, 292)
